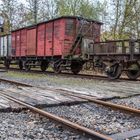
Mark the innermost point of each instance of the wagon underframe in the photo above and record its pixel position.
(115, 64)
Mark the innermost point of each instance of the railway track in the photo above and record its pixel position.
(83, 130)
(68, 74)
(82, 96)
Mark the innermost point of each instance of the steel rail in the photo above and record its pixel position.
(91, 99)
(107, 104)
(93, 134)
(15, 82)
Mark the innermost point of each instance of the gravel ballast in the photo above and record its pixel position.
(28, 126)
(133, 102)
(6, 86)
(103, 120)
(98, 118)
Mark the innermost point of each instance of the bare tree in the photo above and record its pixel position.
(33, 9)
(47, 10)
(137, 19)
(22, 16)
(8, 12)
(85, 8)
(124, 18)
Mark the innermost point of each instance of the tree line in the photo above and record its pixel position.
(120, 17)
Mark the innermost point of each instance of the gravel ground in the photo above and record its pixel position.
(98, 118)
(90, 115)
(133, 102)
(99, 88)
(28, 126)
(7, 85)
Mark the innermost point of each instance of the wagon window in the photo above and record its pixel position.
(69, 28)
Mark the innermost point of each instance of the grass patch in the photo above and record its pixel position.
(24, 75)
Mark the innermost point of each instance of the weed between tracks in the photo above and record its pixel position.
(99, 88)
(52, 79)
(24, 75)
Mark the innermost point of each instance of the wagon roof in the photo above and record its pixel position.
(62, 17)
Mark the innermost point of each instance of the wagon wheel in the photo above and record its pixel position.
(44, 65)
(20, 65)
(27, 66)
(7, 64)
(57, 69)
(114, 71)
(76, 67)
(133, 71)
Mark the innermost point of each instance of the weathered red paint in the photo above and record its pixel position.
(31, 42)
(69, 36)
(18, 44)
(49, 39)
(52, 38)
(13, 43)
(40, 40)
(58, 35)
(23, 42)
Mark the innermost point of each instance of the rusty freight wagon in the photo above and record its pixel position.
(67, 43)
(56, 42)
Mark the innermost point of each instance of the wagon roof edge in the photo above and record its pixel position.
(78, 17)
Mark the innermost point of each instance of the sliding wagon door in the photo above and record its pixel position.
(23, 42)
(31, 42)
(40, 40)
(49, 39)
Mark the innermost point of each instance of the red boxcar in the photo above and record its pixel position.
(51, 38)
